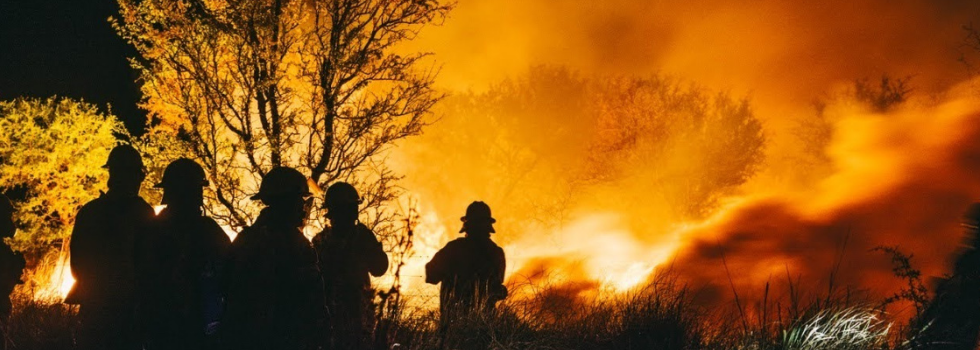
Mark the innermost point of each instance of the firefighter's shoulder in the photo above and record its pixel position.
(96, 204)
(321, 237)
(92, 210)
(212, 228)
(210, 225)
(457, 245)
(365, 235)
(140, 204)
(495, 247)
(363, 229)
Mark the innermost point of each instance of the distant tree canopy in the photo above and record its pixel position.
(696, 146)
(51, 157)
(251, 85)
(816, 131)
(550, 133)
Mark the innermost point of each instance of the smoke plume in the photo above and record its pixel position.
(901, 177)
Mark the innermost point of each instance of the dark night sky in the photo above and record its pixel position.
(67, 48)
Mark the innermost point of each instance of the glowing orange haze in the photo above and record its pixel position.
(898, 179)
(903, 178)
(895, 183)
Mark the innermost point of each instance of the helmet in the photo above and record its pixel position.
(124, 156)
(282, 181)
(341, 193)
(184, 172)
(476, 212)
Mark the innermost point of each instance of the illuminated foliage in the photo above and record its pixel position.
(251, 85)
(555, 135)
(693, 146)
(51, 157)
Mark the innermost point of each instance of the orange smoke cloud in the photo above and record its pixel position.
(769, 47)
(902, 179)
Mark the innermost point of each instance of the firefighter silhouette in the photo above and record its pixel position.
(182, 265)
(275, 293)
(11, 265)
(470, 269)
(103, 250)
(348, 253)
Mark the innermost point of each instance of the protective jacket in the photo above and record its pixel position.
(275, 293)
(182, 280)
(346, 259)
(471, 271)
(103, 249)
(104, 261)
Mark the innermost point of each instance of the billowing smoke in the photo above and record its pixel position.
(771, 47)
(584, 193)
(901, 179)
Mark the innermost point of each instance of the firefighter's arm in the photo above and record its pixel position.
(500, 291)
(81, 244)
(377, 259)
(435, 270)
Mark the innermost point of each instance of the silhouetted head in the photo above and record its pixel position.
(284, 190)
(7, 228)
(341, 202)
(183, 185)
(126, 172)
(478, 222)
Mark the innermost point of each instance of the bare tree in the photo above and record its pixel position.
(250, 85)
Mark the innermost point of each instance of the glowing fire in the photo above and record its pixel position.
(58, 283)
(62, 278)
(606, 252)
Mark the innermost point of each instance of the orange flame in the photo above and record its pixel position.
(58, 283)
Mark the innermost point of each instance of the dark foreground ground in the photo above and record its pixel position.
(661, 316)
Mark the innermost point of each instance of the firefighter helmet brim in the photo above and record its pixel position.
(341, 193)
(183, 172)
(478, 212)
(124, 156)
(283, 181)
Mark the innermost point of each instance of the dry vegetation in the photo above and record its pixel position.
(662, 315)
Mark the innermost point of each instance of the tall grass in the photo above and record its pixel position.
(661, 315)
(39, 325)
(664, 314)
